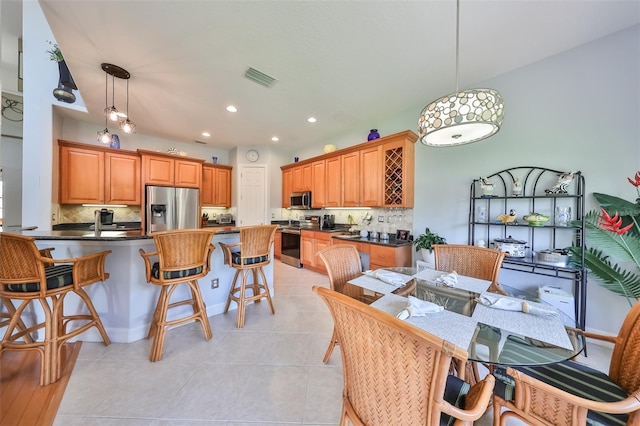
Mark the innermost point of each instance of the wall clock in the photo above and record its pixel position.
(252, 155)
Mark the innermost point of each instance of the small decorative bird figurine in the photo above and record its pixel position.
(507, 218)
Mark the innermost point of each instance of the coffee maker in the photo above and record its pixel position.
(328, 221)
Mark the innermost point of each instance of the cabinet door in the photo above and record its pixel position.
(319, 245)
(158, 170)
(318, 185)
(351, 179)
(81, 176)
(371, 177)
(297, 185)
(122, 179)
(223, 188)
(286, 188)
(188, 173)
(207, 190)
(277, 245)
(333, 182)
(382, 256)
(307, 254)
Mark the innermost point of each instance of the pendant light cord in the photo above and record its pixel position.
(106, 98)
(127, 99)
(457, 42)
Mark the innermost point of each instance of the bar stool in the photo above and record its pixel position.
(254, 252)
(29, 275)
(183, 257)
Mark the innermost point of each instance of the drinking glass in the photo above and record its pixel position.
(563, 216)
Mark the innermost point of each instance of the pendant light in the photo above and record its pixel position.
(464, 116)
(112, 113)
(127, 125)
(104, 136)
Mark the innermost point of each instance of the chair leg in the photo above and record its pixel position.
(198, 308)
(242, 304)
(11, 311)
(267, 293)
(256, 284)
(232, 290)
(158, 325)
(97, 322)
(332, 344)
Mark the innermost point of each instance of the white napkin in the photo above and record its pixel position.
(448, 280)
(418, 308)
(388, 277)
(510, 304)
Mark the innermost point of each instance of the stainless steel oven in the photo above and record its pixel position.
(290, 247)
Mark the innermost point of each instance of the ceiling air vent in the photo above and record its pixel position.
(201, 142)
(259, 77)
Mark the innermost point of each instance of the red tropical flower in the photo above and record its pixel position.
(635, 182)
(612, 224)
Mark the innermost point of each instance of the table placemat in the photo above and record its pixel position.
(455, 328)
(465, 283)
(375, 284)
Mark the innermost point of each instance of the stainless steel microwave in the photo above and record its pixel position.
(300, 200)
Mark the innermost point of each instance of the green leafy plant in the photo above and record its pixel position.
(612, 237)
(54, 53)
(427, 240)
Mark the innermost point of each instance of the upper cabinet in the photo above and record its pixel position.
(216, 186)
(378, 173)
(98, 175)
(169, 170)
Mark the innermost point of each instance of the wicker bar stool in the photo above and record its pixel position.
(29, 275)
(254, 253)
(183, 257)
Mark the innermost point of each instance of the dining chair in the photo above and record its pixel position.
(342, 262)
(249, 255)
(29, 275)
(477, 262)
(572, 393)
(183, 257)
(396, 373)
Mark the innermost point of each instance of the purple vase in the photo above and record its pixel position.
(373, 134)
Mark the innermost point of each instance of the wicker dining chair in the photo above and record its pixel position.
(249, 255)
(572, 393)
(342, 262)
(29, 275)
(184, 256)
(397, 374)
(477, 262)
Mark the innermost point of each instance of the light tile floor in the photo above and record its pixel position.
(268, 373)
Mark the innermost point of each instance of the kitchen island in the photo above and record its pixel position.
(125, 302)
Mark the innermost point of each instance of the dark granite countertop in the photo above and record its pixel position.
(117, 226)
(391, 242)
(106, 235)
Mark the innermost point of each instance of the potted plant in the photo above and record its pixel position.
(424, 244)
(612, 235)
(66, 85)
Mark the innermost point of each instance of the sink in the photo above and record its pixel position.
(349, 237)
(106, 234)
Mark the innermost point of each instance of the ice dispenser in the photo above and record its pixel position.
(158, 217)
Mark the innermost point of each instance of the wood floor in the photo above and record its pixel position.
(22, 400)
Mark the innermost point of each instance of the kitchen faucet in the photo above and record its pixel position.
(97, 222)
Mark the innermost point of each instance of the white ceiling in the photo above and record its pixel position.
(348, 63)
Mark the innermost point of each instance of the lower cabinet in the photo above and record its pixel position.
(311, 242)
(277, 245)
(386, 256)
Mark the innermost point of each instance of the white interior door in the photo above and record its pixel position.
(253, 196)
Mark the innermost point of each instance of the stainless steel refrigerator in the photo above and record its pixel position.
(169, 208)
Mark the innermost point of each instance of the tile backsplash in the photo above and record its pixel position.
(68, 213)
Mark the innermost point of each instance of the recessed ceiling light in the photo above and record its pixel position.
(311, 119)
(206, 134)
(231, 108)
(275, 139)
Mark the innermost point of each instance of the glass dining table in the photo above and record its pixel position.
(518, 329)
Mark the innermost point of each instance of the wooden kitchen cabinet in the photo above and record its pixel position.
(387, 256)
(167, 170)
(311, 242)
(350, 172)
(216, 186)
(122, 179)
(318, 184)
(377, 173)
(333, 194)
(371, 177)
(277, 245)
(98, 175)
(81, 175)
(301, 178)
(286, 188)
